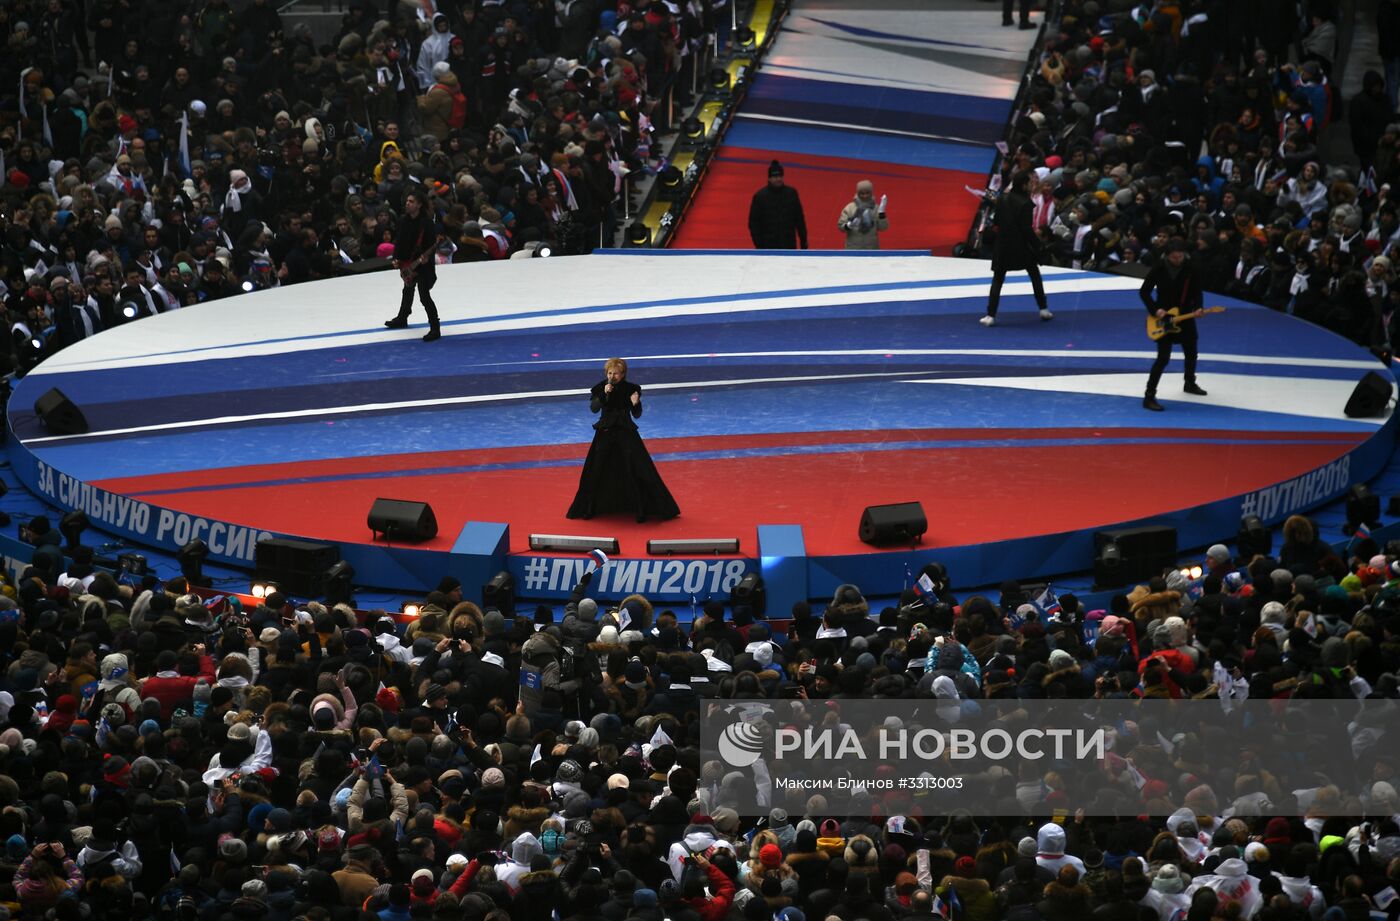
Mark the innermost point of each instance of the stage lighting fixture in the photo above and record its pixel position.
(1363, 507)
(543, 251)
(574, 543)
(719, 79)
(263, 587)
(191, 557)
(132, 564)
(36, 345)
(499, 593)
(72, 526)
(693, 545)
(339, 584)
(638, 234)
(1191, 573)
(1108, 566)
(744, 35)
(670, 177)
(750, 591)
(1254, 538)
(247, 286)
(129, 309)
(411, 608)
(692, 129)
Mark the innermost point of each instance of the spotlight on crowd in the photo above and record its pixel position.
(261, 589)
(129, 309)
(411, 608)
(72, 526)
(191, 557)
(339, 584)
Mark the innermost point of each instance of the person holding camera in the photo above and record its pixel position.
(45, 876)
(862, 219)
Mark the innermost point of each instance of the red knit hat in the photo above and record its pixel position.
(965, 867)
(770, 855)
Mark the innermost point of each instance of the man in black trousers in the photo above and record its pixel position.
(414, 242)
(1025, 13)
(1175, 282)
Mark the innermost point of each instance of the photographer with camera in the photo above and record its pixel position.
(45, 876)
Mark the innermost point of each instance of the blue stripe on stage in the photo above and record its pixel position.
(800, 90)
(856, 145)
(851, 112)
(518, 362)
(789, 407)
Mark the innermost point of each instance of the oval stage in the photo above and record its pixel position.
(784, 393)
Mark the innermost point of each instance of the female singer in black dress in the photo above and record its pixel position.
(618, 475)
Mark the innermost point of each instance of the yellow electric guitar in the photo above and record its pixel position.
(1169, 325)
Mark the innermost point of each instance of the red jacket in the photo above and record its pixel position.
(716, 907)
(179, 690)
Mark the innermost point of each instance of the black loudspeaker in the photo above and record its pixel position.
(400, 519)
(901, 522)
(1143, 553)
(61, 415)
(1370, 397)
(298, 566)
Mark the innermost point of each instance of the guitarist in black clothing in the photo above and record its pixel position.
(1176, 283)
(415, 241)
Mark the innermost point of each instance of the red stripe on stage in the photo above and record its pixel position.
(972, 495)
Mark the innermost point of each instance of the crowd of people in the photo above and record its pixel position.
(1221, 124)
(156, 154)
(169, 755)
(174, 755)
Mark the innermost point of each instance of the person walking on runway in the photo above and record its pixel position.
(415, 243)
(1016, 246)
(618, 474)
(1175, 282)
(776, 220)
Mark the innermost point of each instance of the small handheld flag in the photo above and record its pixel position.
(599, 557)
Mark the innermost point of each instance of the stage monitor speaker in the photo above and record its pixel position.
(899, 522)
(1144, 552)
(401, 519)
(297, 566)
(59, 414)
(1371, 396)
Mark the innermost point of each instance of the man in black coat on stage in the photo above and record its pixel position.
(1017, 247)
(414, 242)
(775, 217)
(1175, 282)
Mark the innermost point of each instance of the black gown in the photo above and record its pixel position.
(618, 475)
